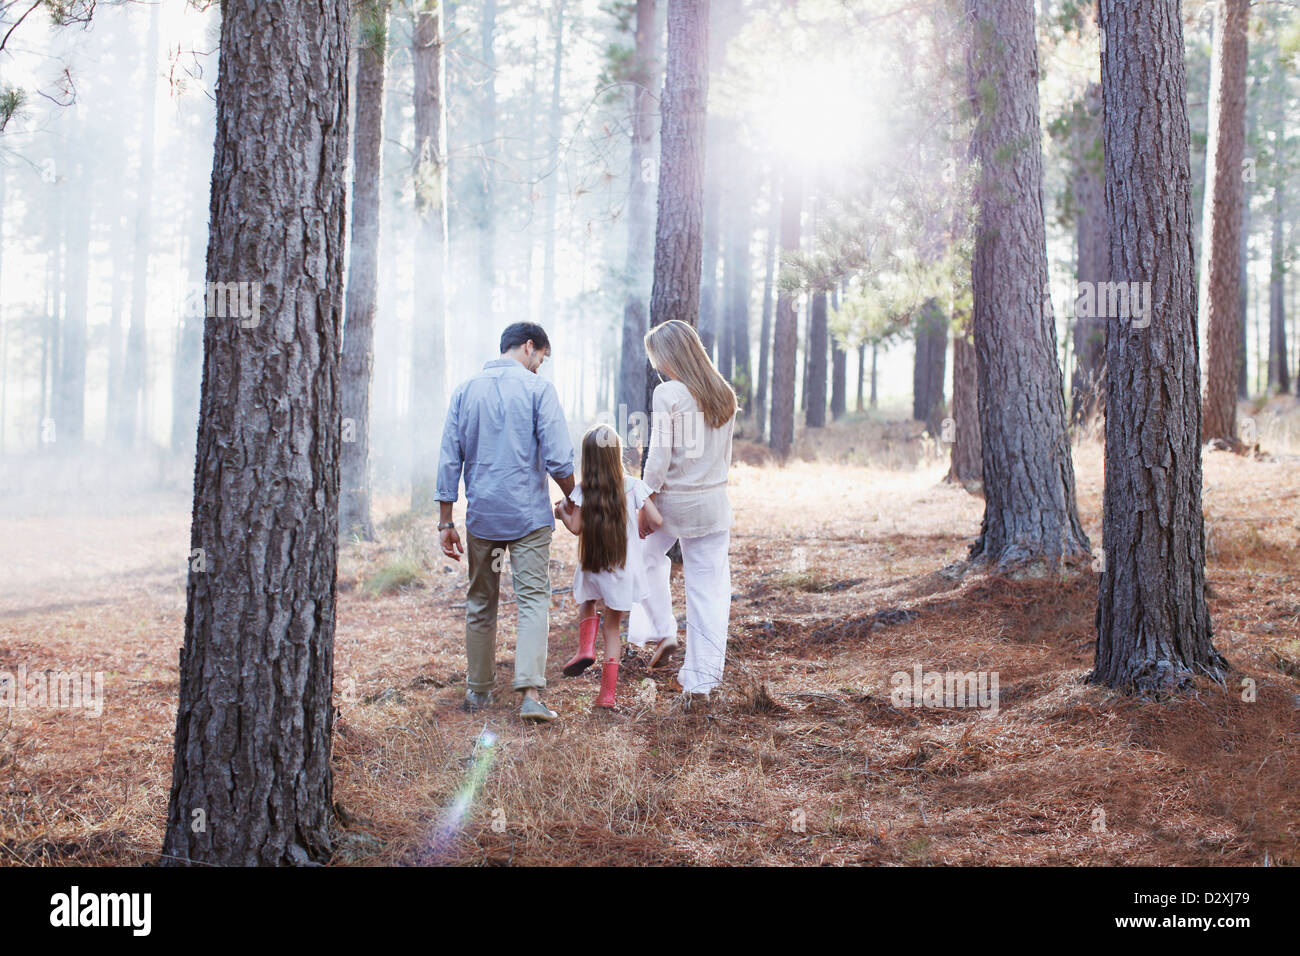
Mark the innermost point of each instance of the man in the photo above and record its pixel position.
(506, 432)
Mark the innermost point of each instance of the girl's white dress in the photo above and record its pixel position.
(619, 588)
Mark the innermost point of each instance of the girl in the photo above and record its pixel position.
(694, 411)
(605, 512)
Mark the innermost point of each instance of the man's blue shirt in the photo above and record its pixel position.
(506, 432)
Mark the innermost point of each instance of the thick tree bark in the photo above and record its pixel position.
(632, 364)
(785, 342)
(966, 465)
(1092, 243)
(363, 273)
(1221, 239)
(428, 323)
(1153, 627)
(1030, 512)
(818, 349)
(679, 223)
(251, 775)
(679, 228)
(930, 366)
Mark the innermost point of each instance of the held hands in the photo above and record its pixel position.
(449, 538)
(563, 508)
(646, 524)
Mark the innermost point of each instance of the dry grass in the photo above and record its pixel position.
(803, 759)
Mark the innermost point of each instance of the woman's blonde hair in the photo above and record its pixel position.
(676, 347)
(602, 543)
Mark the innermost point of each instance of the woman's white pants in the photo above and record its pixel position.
(706, 567)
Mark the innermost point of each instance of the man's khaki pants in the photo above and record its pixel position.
(530, 570)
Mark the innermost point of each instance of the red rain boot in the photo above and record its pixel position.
(586, 655)
(608, 683)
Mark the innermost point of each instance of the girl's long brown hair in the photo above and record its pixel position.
(602, 544)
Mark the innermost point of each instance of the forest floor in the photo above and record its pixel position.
(839, 582)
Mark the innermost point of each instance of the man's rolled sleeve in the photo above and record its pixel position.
(553, 434)
(451, 457)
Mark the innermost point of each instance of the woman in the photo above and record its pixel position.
(694, 411)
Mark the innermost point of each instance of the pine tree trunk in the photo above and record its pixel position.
(70, 356)
(134, 360)
(679, 228)
(931, 366)
(735, 323)
(632, 365)
(4, 326)
(1279, 371)
(765, 327)
(1243, 295)
(117, 309)
(807, 355)
(839, 367)
(839, 380)
(862, 373)
(428, 323)
(489, 321)
(818, 349)
(1093, 254)
(187, 366)
(187, 358)
(358, 360)
(966, 466)
(251, 775)
(875, 353)
(1030, 512)
(553, 171)
(1279, 375)
(1153, 627)
(710, 333)
(785, 343)
(679, 222)
(1221, 240)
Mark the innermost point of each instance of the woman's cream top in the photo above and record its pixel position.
(687, 464)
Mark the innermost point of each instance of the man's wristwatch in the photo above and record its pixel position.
(444, 525)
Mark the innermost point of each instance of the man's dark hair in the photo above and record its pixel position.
(520, 332)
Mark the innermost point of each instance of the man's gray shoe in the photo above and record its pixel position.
(474, 700)
(537, 711)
